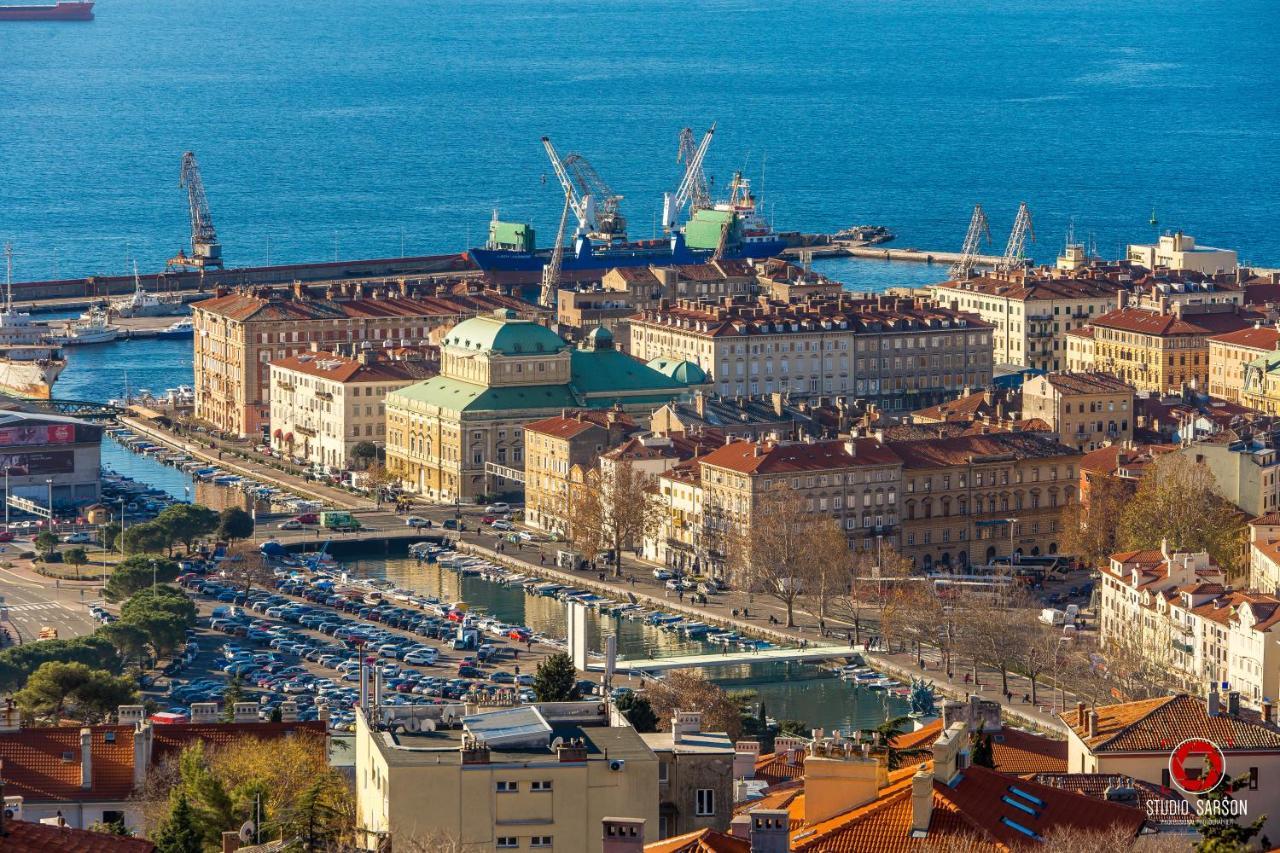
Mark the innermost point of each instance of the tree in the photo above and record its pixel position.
(366, 452)
(163, 614)
(688, 690)
(246, 567)
(772, 550)
(233, 693)
(17, 663)
(128, 639)
(377, 479)
(136, 573)
(234, 523)
(613, 508)
(1177, 503)
(108, 534)
(179, 833)
(831, 578)
(147, 538)
(46, 543)
(995, 632)
(186, 523)
(1089, 529)
(981, 752)
(56, 688)
(638, 712)
(556, 679)
(76, 557)
(885, 736)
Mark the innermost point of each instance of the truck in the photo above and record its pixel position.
(1052, 616)
(339, 520)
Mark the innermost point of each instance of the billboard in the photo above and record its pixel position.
(38, 462)
(37, 435)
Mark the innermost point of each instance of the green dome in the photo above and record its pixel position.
(681, 371)
(502, 333)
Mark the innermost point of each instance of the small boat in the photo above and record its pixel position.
(184, 328)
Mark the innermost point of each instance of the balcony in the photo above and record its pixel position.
(324, 395)
(307, 431)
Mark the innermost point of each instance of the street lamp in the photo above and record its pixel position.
(122, 527)
(153, 575)
(6, 497)
(49, 485)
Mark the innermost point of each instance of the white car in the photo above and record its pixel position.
(498, 507)
(291, 524)
(416, 521)
(661, 574)
(503, 524)
(421, 658)
(81, 538)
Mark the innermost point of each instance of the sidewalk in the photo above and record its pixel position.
(719, 610)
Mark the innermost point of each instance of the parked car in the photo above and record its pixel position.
(80, 538)
(498, 507)
(307, 518)
(503, 524)
(417, 521)
(291, 524)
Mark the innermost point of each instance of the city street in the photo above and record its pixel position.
(32, 602)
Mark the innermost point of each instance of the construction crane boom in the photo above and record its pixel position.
(551, 272)
(672, 204)
(609, 222)
(583, 206)
(978, 229)
(205, 249)
(1015, 250)
(700, 194)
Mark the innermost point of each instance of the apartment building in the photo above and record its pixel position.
(1264, 553)
(323, 404)
(1158, 352)
(1031, 311)
(238, 334)
(461, 435)
(695, 776)
(678, 543)
(1179, 251)
(857, 482)
(899, 354)
(970, 499)
(1232, 353)
(534, 776)
(559, 451)
(1086, 410)
(1245, 467)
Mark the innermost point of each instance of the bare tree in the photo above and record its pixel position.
(834, 576)
(774, 550)
(1089, 529)
(614, 508)
(245, 567)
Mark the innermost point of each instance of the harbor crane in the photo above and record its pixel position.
(1015, 251)
(700, 193)
(551, 271)
(206, 251)
(609, 222)
(672, 204)
(583, 206)
(978, 229)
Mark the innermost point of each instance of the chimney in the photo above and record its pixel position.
(10, 719)
(745, 753)
(740, 826)
(921, 799)
(1233, 703)
(770, 831)
(1080, 714)
(1213, 700)
(230, 841)
(299, 292)
(685, 723)
(204, 712)
(142, 741)
(622, 835)
(836, 781)
(289, 711)
(1268, 711)
(86, 759)
(130, 715)
(244, 712)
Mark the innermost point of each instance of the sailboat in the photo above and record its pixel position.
(140, 303)
(29, 365)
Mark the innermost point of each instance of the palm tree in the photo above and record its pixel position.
(888, 732)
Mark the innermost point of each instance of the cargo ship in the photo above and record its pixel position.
(30, 371)
(733, 230)
(73, 10)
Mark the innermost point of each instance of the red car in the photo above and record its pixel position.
(488, 519)
(6, 536)
(307, 518)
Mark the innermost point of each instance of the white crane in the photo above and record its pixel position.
(1015, 250)
(551, 271)
(584, 207)
(206, 252)
(609, 224)
(672, 204)
(978, 229)
(700, 195)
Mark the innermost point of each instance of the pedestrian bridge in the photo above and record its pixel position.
(732, 658)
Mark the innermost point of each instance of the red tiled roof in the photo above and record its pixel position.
(566, 427)
(701, 841)
(1260, 338)
(776, 767)
(170, 739)
(747, 457)
(35, 769)
(1029, 285)
(957, 450)
(1087, 383)
(21, 836)
(1018, 752)
(340, 368)
(1157, 725)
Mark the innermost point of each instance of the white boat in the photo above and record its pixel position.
(184, 328)
(29, 365)
(140, 303)
(95, 329)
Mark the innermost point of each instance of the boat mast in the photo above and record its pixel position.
(8, 277)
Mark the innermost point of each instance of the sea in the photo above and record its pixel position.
(329, 128)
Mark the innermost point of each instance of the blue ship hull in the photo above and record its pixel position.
(594, 260)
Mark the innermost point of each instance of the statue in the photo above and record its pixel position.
(923, 699)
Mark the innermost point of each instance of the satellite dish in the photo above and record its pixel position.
(428, 725)
(411, 724)
(557, 743)
(246, 831)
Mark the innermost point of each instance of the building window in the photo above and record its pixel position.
(540, 785)
(507, 842)
(505, 787)
(705, 802)
(664, 772)
(540, 841)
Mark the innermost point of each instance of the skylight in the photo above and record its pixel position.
(1013, 824)
(1018, 805)
(1021, 793)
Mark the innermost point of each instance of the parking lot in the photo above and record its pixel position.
(305, 639)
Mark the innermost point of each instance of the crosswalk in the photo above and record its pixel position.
(21, 608)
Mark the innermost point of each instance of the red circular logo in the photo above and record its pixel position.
(1183, 760)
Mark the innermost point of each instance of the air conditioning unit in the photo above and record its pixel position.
(13, 808)
(617, 764)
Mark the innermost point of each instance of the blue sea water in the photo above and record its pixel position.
(345, 127)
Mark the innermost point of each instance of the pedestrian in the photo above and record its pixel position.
(735, 613)
(745, 614)
(542, 559)
(682, 595)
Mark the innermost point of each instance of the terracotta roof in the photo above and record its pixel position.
(958, 450)
(1099, 785)
(1265, 338)
(1081, 332)
(701, 841)
(776, 767)
(747, 457)
(1157, 725)
(43, 764)
(1030, 286)
(1017, 752)
(21, 836)
(339, 368)
(1145, 322)
(966, 408)
(569, 425)
(779, 796)
(280, 308)
(1087, 383)
(920, 737)
(170, 739)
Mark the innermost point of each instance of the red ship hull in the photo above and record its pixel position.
(72, 11)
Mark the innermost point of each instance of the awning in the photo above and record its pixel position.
(279, 433)
(288, 436)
